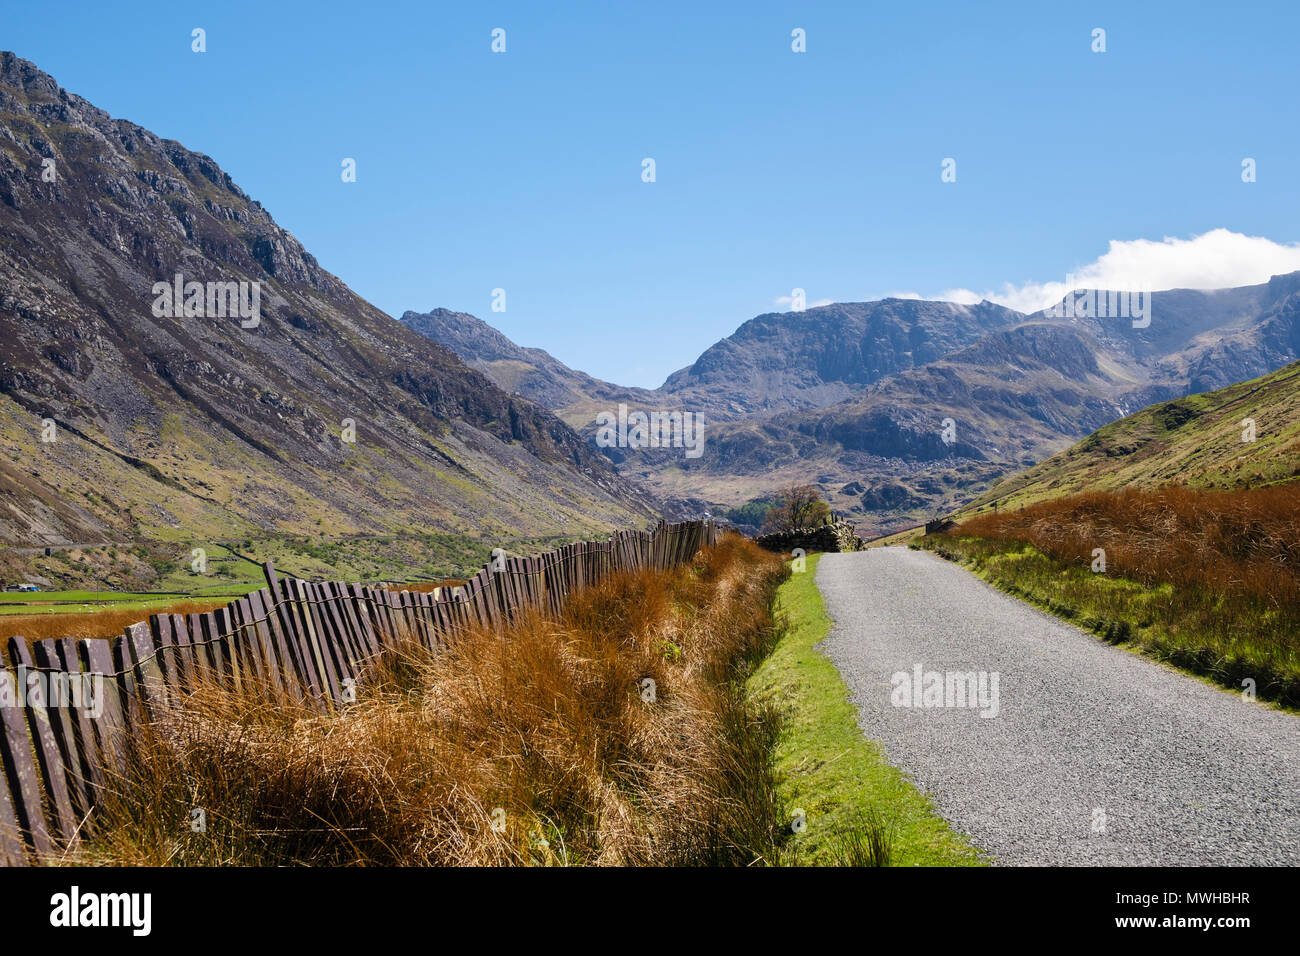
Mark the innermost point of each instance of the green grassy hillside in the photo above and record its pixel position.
(1196, 441)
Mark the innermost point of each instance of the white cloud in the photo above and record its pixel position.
(1219, 259)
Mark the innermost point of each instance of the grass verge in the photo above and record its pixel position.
(1204, 580)
(858, 809)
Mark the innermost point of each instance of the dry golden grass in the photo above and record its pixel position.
(106, 623)
(1230, 542)
(530, 746)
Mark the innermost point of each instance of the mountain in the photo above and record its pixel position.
(531, 373)
(773, 363)
(854, 397)
(1202, 441)
(1264, 335)
(1014, 397)
(785, 361)
(917, 441)
(179, 425)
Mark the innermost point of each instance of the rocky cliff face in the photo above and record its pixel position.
(812, 359)
(318, 411)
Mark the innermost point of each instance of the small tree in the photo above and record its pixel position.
(797, 508)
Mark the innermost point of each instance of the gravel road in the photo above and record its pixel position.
(1095, 756)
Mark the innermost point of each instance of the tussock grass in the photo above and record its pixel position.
(1207, 580)
(536, 745)
(867, 840)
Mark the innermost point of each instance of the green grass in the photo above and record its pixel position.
(827, 767)
(86, 597)
(420, 557)
(82, 602)
(168, 579)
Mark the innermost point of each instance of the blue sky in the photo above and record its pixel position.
(775, 170)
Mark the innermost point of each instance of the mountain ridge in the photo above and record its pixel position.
(862, 418)
(201, 426)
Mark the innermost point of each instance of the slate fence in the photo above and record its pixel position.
(302, 641)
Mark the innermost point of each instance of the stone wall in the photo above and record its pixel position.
(837, 536)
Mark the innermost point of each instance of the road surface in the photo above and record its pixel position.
(1089, 755)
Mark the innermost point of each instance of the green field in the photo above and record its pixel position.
(82, 602)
